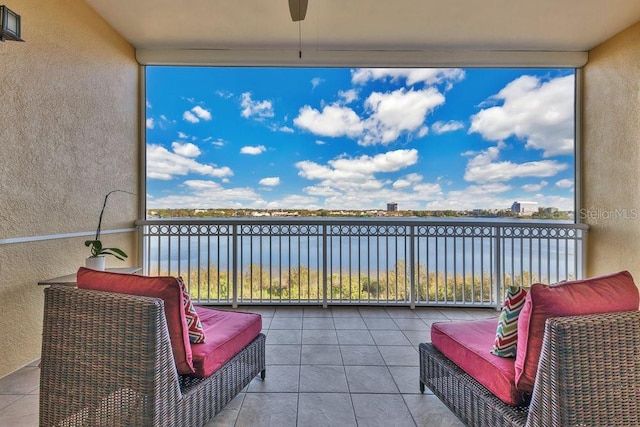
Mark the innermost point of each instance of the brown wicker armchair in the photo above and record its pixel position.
(107, 361)
(588, 375)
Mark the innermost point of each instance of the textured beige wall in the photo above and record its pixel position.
(68, 135)
(611, 154)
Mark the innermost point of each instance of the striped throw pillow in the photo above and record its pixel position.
(507, 330)
(196, 332)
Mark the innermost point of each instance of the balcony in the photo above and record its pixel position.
(72, 132)
(399, 262)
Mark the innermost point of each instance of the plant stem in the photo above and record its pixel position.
(104, 205)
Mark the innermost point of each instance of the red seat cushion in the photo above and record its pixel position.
(603, 294)
(468, 345)
(227, 333)
(164, 287)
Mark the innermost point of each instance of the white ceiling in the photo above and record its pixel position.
(365, 25)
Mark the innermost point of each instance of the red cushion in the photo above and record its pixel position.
(166, 288)
(468, 345)
(227, 333)
(611, 293)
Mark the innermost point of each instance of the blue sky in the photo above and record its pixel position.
(341, 138)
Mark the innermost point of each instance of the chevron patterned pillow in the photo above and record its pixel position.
(196, 332)
(507, 330)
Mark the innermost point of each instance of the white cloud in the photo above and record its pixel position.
(354, 179)
(541, 113)
(285, 129)
(190, 117)
(295, 201)
(148, 104)
(427, 191)
(187, 150)
(164, 123)
(320, 142)
(429, 76)
(348, 96)
(261, 109)
(196, 114)
(390, 115)
(202, 193)
(201, 112)
(560, 202)
(322, 191)
(315, 82)
(216, 143)
(253, 150)
(532, 188)
(270, 181)
(165, 165)
(182, 135)
(358, 169)
(375, 197)
(483, 169)
(565, 183)
(150, 123)
(441, 127)
(407, 181)
(224, 94)
(332, 121)
(485, 196)
(393, 113)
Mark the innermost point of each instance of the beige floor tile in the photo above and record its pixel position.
(370, 379)
(21, 413)
(381, 410)
(427, 410)
(323, 379)
(399, 355)
(268, 410)
(326, 410)
(361, 355)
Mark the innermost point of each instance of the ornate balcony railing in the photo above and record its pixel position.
(361, 261)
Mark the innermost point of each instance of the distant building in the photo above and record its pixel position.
(392, 207)
(524, 208)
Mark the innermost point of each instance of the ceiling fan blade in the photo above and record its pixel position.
(298, 9)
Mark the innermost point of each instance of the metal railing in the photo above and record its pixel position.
(361, 261)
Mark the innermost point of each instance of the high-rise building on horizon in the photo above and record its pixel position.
(524, 208)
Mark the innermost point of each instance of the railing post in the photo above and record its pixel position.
(413, 295)
(324, 265)
(498, 266)
(234, 271)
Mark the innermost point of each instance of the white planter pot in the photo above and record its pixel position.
(96, 263)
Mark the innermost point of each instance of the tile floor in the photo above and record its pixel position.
(340, 366)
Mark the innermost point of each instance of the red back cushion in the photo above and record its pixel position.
(166, 288)
(604, 294)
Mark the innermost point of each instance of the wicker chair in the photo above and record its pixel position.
(107, 361)
(588, 375)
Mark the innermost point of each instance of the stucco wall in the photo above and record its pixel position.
(611, 154)
(68, 135)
